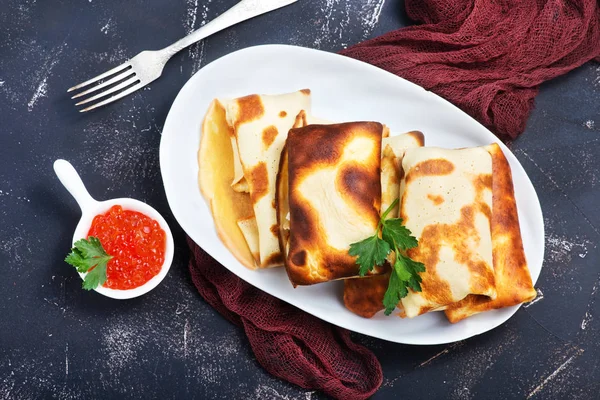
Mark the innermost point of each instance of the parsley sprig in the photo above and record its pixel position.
(89, 256)
(390, 235)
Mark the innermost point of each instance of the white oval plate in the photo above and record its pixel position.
(343, 89)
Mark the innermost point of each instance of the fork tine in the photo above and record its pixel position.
(114, 98)
(117, 78)
(111, 90)
(104, 75)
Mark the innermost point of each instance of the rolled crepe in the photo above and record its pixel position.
(392, 152)
(215, 173)
(364, 296)
(391, 172)
(513, 281)
(250, 231)
(334, 198)
(260, 127)
(447, 205)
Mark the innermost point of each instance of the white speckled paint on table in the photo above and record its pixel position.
(49, 326)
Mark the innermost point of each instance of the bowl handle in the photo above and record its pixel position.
(70, 179)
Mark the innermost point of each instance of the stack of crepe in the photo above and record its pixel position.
(239, 155)
(288, 189)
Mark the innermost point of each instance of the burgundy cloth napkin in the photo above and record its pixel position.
(488, 58)
(286, 341)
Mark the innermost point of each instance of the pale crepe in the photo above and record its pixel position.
(250, 231)
(447, 205)
(392, 152)
(513, 281)
(261, 124)
(215, 162)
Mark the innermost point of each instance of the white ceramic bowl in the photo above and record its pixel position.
(90, 208)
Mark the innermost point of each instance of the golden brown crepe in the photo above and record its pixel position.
(260, 127)
(215, 160)
(334, 198)
(447, 205)
(364, 296)
(513, 281)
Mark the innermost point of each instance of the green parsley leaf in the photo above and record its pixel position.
(78, 261)
(89, 256)
(405, 274)
(369, 252)
(374, 250)
(413, 268)
(95, 277)
(393, 294)
(397, 234)
(90, 248)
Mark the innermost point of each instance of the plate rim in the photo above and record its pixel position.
(182, 221)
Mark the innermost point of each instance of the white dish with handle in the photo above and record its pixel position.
(71, 180)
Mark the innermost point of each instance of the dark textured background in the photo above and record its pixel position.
(59, 341)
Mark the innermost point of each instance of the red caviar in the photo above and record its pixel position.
(136, 242)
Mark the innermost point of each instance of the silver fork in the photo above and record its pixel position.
(147, 66)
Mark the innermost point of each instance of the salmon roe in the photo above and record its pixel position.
(136, 242)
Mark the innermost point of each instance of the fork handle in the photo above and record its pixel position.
(242, 11)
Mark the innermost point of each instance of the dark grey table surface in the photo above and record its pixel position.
(58, 341)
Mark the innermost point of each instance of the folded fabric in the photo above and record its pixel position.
(488, 57)
(287, 342)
